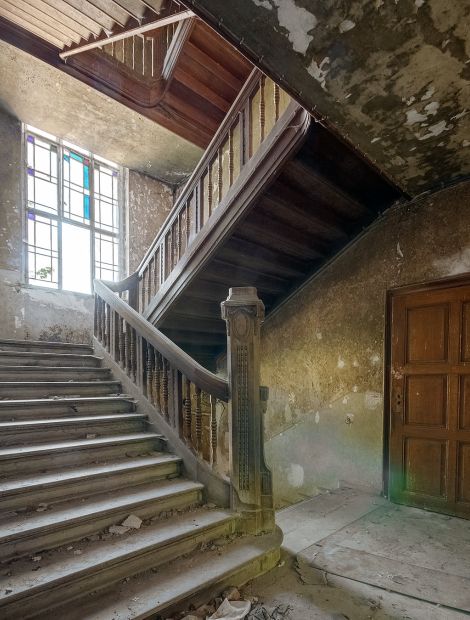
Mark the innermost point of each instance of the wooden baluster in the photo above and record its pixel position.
(121, 346)
(187, 411)
(132, 354)
(165, 389)
(102, 323)
(142, 292)
(209, 193)
(178, 238)
(230, 156)
(95, 316)
(108, 327)
(277, 99)
(262, 109)
(220, 175)
(149, 371)
(188, 222)
(213, 429)
(156, 267)
(156, 380)
(127, 348)
(149, 282)
(198, 419)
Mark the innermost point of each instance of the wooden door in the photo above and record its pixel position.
(430, 399)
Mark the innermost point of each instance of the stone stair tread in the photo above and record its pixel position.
(6, 384)
(48, 422)
(44, 344)
(60, 400)
(53, 446)
(150, 593)
(61, 565)
(45, 423)
(46, 355)
(76, 510)
(52, 368)
(41, 480)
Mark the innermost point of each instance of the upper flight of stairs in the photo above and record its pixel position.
(76, 457)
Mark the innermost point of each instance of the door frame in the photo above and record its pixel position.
(418, 287)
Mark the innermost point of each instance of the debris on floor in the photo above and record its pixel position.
(231, 605)
(132, 521)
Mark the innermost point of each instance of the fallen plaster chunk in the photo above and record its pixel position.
(118, 529)
(37, 558)
(346, 25)
(232, 610)
(41, 507)
(91, 436)
(132, 521)
(78, 552)
(231, 594)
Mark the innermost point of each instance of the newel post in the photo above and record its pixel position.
(251, 483)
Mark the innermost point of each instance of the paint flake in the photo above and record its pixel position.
(320, 71)
(346, 25)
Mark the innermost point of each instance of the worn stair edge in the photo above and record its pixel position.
(82, 428)
(60, 455)
(84, 481)
(192, 582)
(18, 452)
(5, 343)
(78, 519)
(53, 388)
(37, 405)
(115, 559)
(38, 358)
(28, 370)
(28, 425)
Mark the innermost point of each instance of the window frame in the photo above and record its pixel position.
(60, 218)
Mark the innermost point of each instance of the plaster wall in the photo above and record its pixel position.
(150, 202)
(322, 353)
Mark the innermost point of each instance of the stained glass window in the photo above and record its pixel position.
(72, 215)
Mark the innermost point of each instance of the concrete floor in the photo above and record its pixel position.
(362, 523)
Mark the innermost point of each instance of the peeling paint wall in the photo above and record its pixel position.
(150, 202)
(323, 352)
(28, 312)
(392, 76)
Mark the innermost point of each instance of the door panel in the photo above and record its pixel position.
(429, 458)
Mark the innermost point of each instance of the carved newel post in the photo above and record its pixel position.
(251, 482)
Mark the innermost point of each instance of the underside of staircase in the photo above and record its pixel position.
(77, 458)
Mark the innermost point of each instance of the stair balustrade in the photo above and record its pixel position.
(186, 394)
(251, 120)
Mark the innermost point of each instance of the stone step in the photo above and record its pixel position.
(71, 521)
(48, 389)
(65, 576)
(53, 373)
(37, 358)
(192, 581)
(45, 347)
(27, 492)
(59, 455)
(37, 408)
(28, 432)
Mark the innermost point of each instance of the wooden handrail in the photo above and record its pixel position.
(184, 363)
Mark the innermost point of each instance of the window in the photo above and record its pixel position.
(72, 214)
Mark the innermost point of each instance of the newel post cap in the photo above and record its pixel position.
(243, 296)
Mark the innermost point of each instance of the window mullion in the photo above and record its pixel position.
(92, 218)
(60, 204)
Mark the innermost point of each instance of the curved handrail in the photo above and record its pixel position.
(192, 370)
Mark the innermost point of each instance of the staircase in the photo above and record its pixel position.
(77, 458)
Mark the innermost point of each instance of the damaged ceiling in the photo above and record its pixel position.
(51, 100)
(391, 76)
